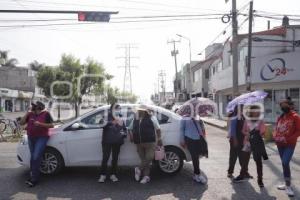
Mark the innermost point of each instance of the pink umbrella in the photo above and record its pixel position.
(203, 107)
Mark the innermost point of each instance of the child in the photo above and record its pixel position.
(254, 129)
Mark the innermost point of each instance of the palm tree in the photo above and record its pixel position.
(7, 62)
(36, 66)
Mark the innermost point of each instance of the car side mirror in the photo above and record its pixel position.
(76, 126)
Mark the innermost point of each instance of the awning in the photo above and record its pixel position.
(25, 95)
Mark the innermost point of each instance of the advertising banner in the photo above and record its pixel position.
(276, 68)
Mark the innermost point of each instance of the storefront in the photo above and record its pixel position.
(7, 99)
(271, 103)
(14, 100)
(279, 76)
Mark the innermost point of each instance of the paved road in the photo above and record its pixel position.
(81, 183)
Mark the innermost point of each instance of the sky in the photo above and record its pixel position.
(101, 40)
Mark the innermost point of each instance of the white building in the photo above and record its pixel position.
(16, 89)
(275, 69)
(201, 70)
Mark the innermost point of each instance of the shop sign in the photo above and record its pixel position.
(276, 68)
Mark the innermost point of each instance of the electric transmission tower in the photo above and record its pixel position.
(127, 80)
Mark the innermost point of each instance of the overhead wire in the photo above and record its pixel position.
(112, 22)
(167, 5)
(128, 17)
(223, 32)
(276, 14)
(73, 41)
(104, 6)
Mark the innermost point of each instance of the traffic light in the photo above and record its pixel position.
(94, 16)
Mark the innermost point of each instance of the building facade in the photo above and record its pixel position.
(16, 89)
(274, 69)
(201, 70)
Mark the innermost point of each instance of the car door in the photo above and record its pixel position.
(84, 144)
(128, 154)
(168, 131)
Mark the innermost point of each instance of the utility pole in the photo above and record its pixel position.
(127, 81)
(249, 57)
(188, 84)
(235, 70)
(174, 53)
(162, 83)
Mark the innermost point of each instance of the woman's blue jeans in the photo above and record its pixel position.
(37, 147)
(286, 154)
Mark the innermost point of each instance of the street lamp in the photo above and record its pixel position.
(190, 49)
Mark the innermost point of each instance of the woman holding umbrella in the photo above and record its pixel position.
(236, 134)
(193, 136)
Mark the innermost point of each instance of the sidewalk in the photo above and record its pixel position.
(219, 123)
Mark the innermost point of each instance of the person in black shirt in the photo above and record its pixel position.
(113, 136)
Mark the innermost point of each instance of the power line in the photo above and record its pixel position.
(275, 18)
(217, 37)
(276, 14)
(112, 22)
(128, 17)
(223, 32)
(99, 6)
(166, 5)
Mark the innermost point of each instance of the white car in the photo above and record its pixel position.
(78, 143)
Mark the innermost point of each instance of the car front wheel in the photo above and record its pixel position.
(172, 163)
(52, 162)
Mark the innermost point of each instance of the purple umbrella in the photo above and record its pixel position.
(201, 106)
(246, 99)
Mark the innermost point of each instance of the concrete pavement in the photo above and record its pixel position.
(219, 123)
(81, 183)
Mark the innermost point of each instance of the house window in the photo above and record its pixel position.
(207, 73)
(219, 66)
(294, 94)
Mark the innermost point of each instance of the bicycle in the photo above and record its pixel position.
(10, 127)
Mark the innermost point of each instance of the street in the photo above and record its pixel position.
(81, 183)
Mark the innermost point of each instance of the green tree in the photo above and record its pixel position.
(91, 75)
(111, 94)
(36, 66)
(5, 61)
(45, 77)
(128, 97)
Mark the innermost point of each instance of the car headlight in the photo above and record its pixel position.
(24, 140)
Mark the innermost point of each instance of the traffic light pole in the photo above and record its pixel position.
(55, 11)
(94, 16)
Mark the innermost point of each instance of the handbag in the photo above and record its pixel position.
(203, 147)
(159, 153)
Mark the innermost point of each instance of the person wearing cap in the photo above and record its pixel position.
(146, 134)
(286, 133)
(38, 121)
